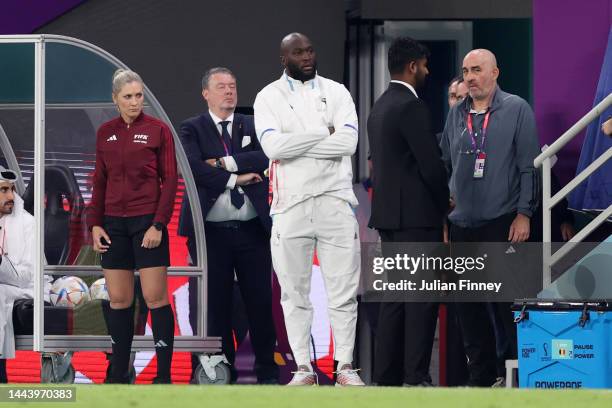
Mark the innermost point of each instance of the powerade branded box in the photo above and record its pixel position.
(563, 344)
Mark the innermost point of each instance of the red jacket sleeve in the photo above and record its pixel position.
(95, 213)
(166, 168)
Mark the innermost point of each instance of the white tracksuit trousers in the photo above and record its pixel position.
(328, 225)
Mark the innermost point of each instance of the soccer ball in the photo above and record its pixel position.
(97, 290)
(69, 291)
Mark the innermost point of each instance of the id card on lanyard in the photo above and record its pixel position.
(481, 156)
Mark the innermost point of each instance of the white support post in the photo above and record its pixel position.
(546, 223)
(39, 192)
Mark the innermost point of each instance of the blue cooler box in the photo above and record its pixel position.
(563, 344)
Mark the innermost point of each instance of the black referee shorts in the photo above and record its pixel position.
(126, 251)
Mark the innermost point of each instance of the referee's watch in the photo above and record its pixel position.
(218, 163)
(158, 226)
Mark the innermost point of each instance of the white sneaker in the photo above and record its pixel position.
(303, 376)
(347, 377)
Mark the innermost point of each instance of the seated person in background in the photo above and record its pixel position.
(16, 261)
(457, 91)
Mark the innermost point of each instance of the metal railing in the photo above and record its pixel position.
(548, 201)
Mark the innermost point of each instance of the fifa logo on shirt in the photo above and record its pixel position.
(141, 138)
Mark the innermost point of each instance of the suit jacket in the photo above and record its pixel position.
(410, 185)
(201, 141)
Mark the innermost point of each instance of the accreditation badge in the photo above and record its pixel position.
(479, 165)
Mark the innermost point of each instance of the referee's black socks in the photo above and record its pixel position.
(162, 320)
(121, 328)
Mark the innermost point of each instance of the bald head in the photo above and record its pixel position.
(298, 57)
(482, 55)
(289, 40)
(480, 74)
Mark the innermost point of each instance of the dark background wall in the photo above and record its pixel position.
(172, 43)
(511, 42)
(444, 9)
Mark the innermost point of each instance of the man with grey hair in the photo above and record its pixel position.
(228, 166)
(488, 137)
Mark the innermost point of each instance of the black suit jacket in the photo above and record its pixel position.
(410, 187)
(201, 141)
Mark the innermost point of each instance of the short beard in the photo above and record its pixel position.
(480, 96)
(419, 80)
(4, 210)
(295, 72)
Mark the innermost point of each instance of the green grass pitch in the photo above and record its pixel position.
(184, 396)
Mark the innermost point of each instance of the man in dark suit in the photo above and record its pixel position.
(410, 200)
(228, 164)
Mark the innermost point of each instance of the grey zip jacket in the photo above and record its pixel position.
(510, 182)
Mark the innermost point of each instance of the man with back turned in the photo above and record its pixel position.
(409, 203)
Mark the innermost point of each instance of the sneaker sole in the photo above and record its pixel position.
(301, 385)
(348, 385)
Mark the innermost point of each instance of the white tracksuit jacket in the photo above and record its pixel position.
(292, 120)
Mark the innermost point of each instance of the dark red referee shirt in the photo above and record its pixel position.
(135, 171)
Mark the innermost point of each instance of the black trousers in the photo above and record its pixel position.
(243, 247)
(3, 376)
(405, 332)
(456, 361)
(489, 332)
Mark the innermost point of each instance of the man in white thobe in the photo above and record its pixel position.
(16, 261)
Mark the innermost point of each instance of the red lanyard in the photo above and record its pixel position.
(224, 145)
(485, 124)
(222, 139)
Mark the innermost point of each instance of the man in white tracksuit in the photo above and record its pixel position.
(16, 261)
(307, 126)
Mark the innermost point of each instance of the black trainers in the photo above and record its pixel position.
(112, 380)
(268, 381)
(162, 380)
(423, 383)
(500, 382)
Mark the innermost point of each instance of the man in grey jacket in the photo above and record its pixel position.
(488, 145)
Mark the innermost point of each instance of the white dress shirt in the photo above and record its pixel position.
(223, 210)
(407, 85)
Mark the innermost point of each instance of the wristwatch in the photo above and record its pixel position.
(158, 226)
(218, 163)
